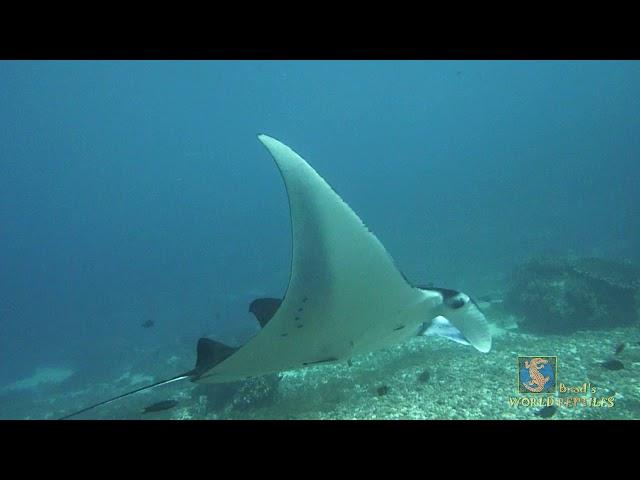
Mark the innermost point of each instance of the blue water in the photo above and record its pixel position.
(138, 190)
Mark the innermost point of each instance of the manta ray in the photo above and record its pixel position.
(345, 295)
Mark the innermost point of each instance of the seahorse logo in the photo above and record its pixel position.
(538, 381)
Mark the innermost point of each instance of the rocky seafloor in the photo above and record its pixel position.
(584, 311)
(438, 379)
(424, 378)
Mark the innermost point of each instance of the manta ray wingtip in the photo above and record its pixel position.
(264, 137)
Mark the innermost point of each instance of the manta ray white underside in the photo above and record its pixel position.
(345, 294)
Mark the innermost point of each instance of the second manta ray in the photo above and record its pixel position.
(345, 295)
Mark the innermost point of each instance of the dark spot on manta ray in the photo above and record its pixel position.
(299, 326)
(382, 390)
(304, 299)
(148, 323)
(297, 318)
(612, 365)
(284, 334)
(620, 348)
(300, 309)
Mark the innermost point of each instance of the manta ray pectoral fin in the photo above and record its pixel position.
(345, 294)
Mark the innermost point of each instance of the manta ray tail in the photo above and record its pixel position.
(209, 354)
(137, 390)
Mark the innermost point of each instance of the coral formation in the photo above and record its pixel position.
(563, 295)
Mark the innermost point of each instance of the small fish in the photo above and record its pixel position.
(148, 323)
(382, 390)
(547, 412)
(620, 348)
(424, 377)
(160, 406)
(612, 365)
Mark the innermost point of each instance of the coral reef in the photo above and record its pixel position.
(563, 295)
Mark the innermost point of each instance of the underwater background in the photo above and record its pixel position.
(139, 212)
